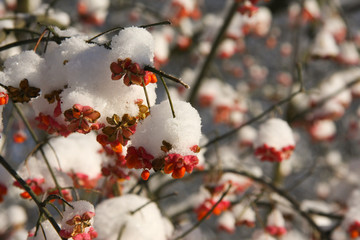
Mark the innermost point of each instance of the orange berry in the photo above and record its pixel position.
(117, 148)
(354, 234)
(178, 173)
(19, 137)
(169, 168)
(25, 195)
(4, 98)
(145, 175)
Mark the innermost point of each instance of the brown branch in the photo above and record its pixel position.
(204, 217)
(32, 40)
(40, 38)
(211, 56)
(170, 77)
(26, 187)
(254, 119)
(154, 200)
(36, 139)
(324, 100)
(268, 184)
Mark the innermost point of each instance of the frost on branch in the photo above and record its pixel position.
(275, 141)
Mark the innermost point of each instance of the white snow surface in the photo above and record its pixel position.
(182, 132)
(276, 133)
(114, 215)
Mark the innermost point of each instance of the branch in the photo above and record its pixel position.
(213, 50)
(254, 119)
(32, 40)
(8, 30)
(324, 100)
(26, 187)
(268, 184)
(168, 95)
(36, 139)
(154, 200)
(122, 28)
(170, 77)
(204, 217)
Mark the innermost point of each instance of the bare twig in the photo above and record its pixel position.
(206, 216)
(269, 185)
(324, 100)
(170, 77)
(40, 38)
(103, 33)
(146, 94)
(168, 94)
(254, 119)
(7, 30)
(32, 40)
(166, 22)
(151, 201)
(122, 28)
(26, 187)
(36, 139)
(215, 45)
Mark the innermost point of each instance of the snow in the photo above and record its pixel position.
(114, 215)
(135, 43)
(77, 153)
(182, 132)
(275, 133)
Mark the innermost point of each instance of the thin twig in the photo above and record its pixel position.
(283, 193)
(26, 187)
(151, 201)
(32, 40)
(261, 115)
(170, 77)
(56, 209)
(106, 32)
(254, 119)
(296, 38)
(36, 139)
(303, 177)
(47, 42)
(268, 184)
(43, 231)
(166, 22)
(146, 94)
(7, 30)
(122, 28)
(52, 197)
(40, 38)
(56, 155)
(121, 231)
(324, 100)
(213, 50)
(168, 94)
(206, 216)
